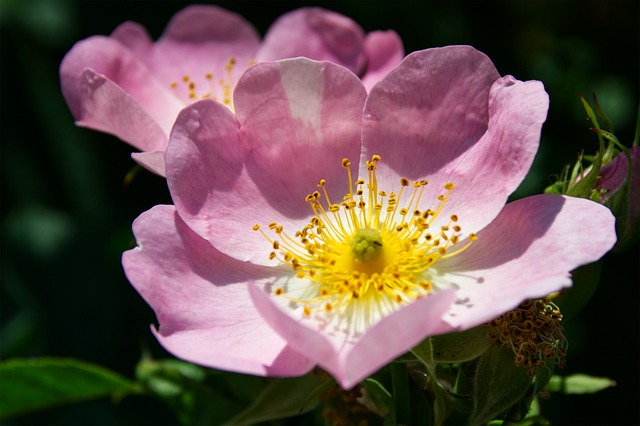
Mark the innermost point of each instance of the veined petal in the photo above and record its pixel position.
(483, 140)
(487, 173)
(116, 63)
(527, 252)
(134, 37)
(151, 160)
(384, 51)
(201, 301)
(350, 356)
(428, 110)
(209, 45)
(107, 107)
(315, 33)
(298, 119)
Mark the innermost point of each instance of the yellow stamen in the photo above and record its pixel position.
(362, 254)
(189, 90)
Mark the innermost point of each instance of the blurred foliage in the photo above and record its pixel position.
(66, 211)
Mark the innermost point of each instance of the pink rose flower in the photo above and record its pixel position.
(133, 88)
(319, 225)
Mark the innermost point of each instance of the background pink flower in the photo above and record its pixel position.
(444, 116)
(127, 85)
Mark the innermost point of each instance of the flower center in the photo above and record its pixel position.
(220, 89)
(372, 249)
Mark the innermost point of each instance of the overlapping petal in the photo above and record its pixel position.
(526, 252)
(349, 356)
(384, 51)
(444, 115)
(295, 121)
(133, 86)
(202, 54)
(201, 300)
(317, 34)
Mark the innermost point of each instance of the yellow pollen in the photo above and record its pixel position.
(371, 251)
(190, 89)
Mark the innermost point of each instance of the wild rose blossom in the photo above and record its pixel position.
(323, 226)
(133, 88)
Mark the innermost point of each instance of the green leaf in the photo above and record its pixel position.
(185, 388)
(463, 346)
(579, 384)
(498, 385)
(281, 398)
(36, 384)
(380, 397)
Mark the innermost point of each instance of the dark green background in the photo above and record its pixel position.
(66, 213)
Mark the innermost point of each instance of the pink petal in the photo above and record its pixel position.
(116, 63)
(108, 108)
(477, 133)
(429, 110)
(152, 161)
(199, 40)
(201, 301)
(299, 119)
(527, 252)
(205, 167)
(134, 37)
(384, 51)
(315, 33)
(351, 359)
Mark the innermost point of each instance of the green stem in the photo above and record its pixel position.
(424, 353)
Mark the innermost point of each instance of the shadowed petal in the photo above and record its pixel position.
(117, 64)
(151, 160)
(527, 252)
(201, 40)
(453, 120)
(298, 119)
(315, 33)
(384, 51)
(106, 107)
(201, 301)
(350, 358)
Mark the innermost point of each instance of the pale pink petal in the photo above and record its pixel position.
(298, 118)
(205, 166)
(482, 139)
(429, 110)
(315, 33)
(152, 161)
(351, 359)
(134, 37)
(105, 106)
(116, 63)
(201, 40)
(384, 51)
(527, 252)
(201, 301)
